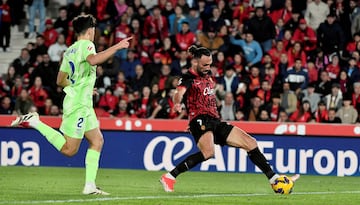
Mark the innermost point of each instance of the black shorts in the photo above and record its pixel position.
(203, 123)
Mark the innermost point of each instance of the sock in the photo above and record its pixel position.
(260, 161)
(190, 162)
(91, 165)
(54, 137)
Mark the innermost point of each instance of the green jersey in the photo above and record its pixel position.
(81, 75)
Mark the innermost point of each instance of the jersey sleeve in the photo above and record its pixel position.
(88, 49)
(185, 81)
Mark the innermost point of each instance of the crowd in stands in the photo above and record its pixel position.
(273, 60)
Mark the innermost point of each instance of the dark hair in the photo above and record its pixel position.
(198, 52)
(83, 22)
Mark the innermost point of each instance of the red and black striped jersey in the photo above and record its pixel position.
(199, 97)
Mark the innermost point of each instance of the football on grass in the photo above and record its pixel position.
(283, 185)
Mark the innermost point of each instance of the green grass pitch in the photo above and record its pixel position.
(54, 185)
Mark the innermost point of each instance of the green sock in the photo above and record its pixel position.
(91, 165)
(54, 137)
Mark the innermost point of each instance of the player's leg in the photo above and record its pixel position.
(32, 120)
(96, 140)
(200, 129)
(239, 138)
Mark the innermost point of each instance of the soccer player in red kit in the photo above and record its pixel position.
(196, 90)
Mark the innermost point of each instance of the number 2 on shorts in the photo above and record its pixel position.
(80, 122)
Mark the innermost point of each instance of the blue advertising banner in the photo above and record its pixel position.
(162, 150)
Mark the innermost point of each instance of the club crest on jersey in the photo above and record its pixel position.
(209, 91)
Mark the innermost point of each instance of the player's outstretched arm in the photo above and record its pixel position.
(103, 56)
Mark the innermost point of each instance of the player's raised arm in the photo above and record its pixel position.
(178, 96)
(103, 56)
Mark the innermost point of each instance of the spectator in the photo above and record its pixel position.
(168, 9)
(215, 22)
(334, 99)
(296, 52)
(61, 23)
(228, 108)
(47, 71)
(254, 111)
(263, 29)
(176, 21)
(323, 87)
(210, 40)
(352, 71)
(88, 7)
(108, 101)
(252, 49)
(122, 30)
(22, 63)
(230, 81)
(310, 95)
(297, 77)
(181, 62)
(105, 13)
(128, 66)
(16, 89)
(303, 113)
(253, 79)
(194, 20)
(306, 36)
(39, 95)
(283, 117)
(288, 99)
(74, 8)
(140, 80)
(274, 108)
(36, 5)
(168, 51)
(293, 23)
(70, 36)
(284, 13)
(23, 103)
(321, 114)
(154, 68)
(185, 38)
(39, 49)
(330, 36)
(57, 49)
(5, 28)
(55, 111)
(164, 79)
(6, 107)
(9, 77)
(276, 51)
(242, 11)
(264, 92)
(332, 116)
(121, 8)
(156, 26)
(321, 60)
(121, 110)
(347, 113)
(316, 13)
(264, 116)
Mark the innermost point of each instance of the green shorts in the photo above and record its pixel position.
(78, 121)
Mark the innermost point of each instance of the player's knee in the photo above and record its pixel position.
(208, 153)
(69, 151)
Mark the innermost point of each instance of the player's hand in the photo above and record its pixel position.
(177, 107)
(124, 43)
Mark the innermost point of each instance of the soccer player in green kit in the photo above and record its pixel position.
(77, 76)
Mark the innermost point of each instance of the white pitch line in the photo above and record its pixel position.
(168, 197)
